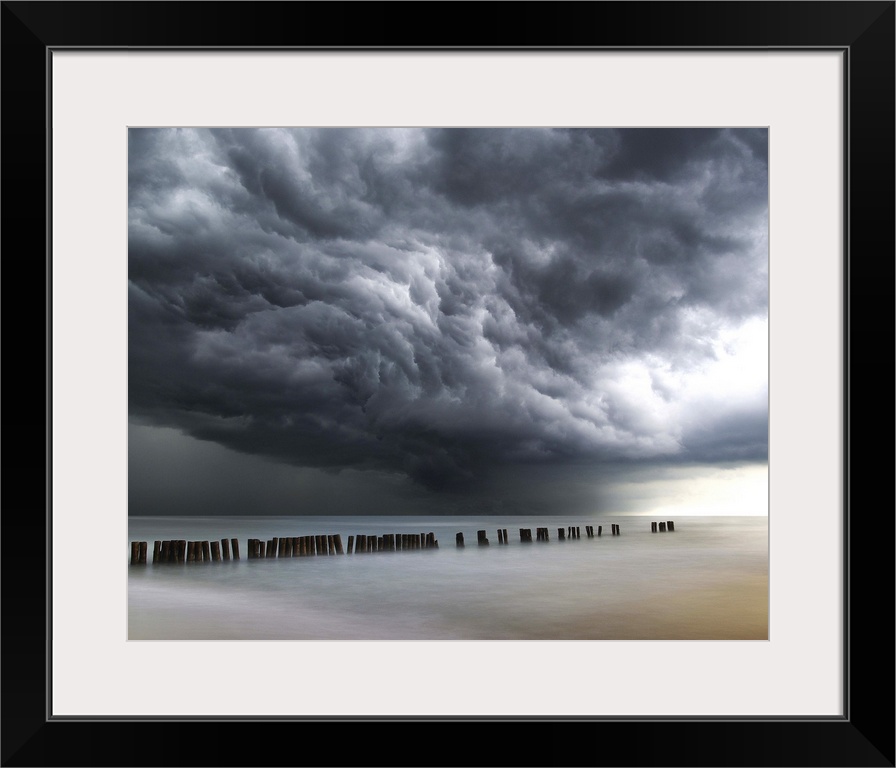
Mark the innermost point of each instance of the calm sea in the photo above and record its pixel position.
(706, 580)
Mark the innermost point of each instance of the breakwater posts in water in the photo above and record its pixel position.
(390, 542)
(183, 551)
(295, 546)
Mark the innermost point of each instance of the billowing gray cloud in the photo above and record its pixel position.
(438, 302)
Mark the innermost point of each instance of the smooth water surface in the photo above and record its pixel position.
(706, 580)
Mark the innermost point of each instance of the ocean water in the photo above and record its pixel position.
(706, 580)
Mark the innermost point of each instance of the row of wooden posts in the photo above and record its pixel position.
(183, 551)
(541, 534)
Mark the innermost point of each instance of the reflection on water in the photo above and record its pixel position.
(706, 580)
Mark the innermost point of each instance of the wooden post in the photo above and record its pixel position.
(653, 527)
(337, 541)
(206, 552)
(459, 539)
(156, 551)
(351, 543)
(561, 534)
(225, 549)
(670, 526)
(166, 551)
(662, 527)
(216, 551)
(135, 552)
(235, 545)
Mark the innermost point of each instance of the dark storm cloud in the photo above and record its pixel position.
(433, 302)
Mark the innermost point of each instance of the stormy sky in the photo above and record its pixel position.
(421, 320)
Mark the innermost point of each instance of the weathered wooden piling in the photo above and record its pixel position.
(653, 527)
(500, 536)
(482, 538)
(350, 545)
(670, 526)
(156, 551)
(561, 534)
(235, 544)
(206, 552)
(459, 538)
(662, 527)
(225, 549)
(135, 552)
(600, 529)
(337, 540)
(215, 551)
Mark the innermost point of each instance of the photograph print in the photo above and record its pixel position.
(421, 383)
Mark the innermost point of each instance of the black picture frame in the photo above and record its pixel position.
(863, 736)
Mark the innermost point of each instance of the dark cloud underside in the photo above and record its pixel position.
(436, 302)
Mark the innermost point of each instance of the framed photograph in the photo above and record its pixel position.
(609, 278)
